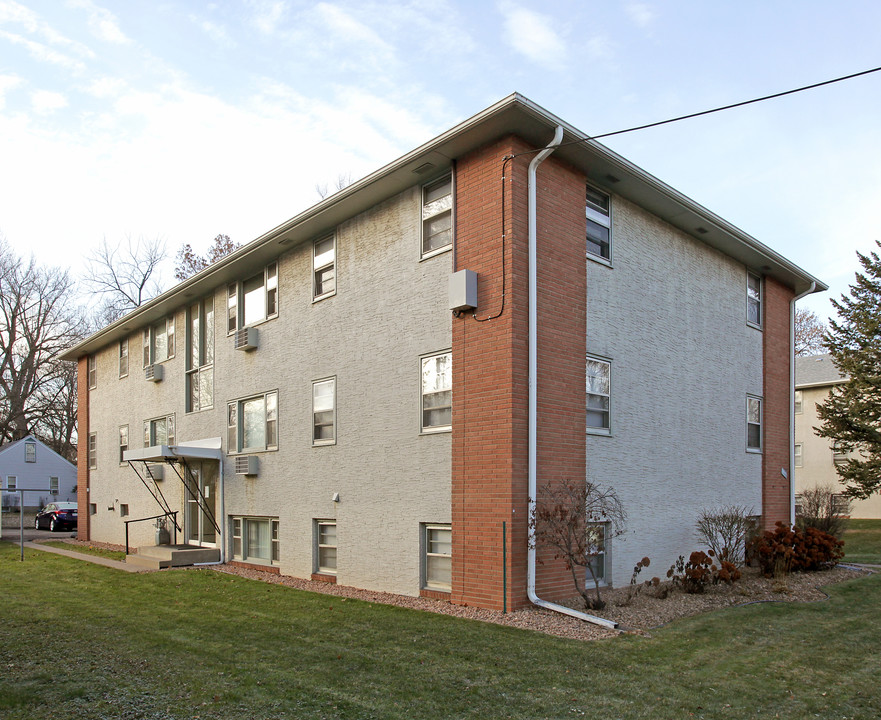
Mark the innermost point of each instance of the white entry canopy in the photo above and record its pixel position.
(199, 450)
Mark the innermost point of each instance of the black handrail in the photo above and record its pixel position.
(155, 517)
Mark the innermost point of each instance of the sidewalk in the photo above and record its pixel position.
(97, 560)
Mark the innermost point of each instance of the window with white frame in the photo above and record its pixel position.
(437, 216)
(30, 452)
(597, 534)
(323, 411)
(123, 443)
(93, 450)
(253, 300)
(93, 372)
(325, 546)
(11, 482)
(324, 267)
(798, 402)
(840, 504)
(53, 485)
(252, 424)
(799, 504)
(598, 209)
(159, 431)
(159, 341)
(255, 540)
(798, 450)
(437, 392)
(123, 357)
(754, 299)
(753, 423)
(599, 394)
(839, 454)
(437, 562)
(200, 355)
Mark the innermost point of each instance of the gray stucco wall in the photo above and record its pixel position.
(670, 314)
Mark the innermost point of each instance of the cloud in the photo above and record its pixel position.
(641, 14)
(216, 32)
(532, 34)
(46, 102)
(102, 23)
(44, 53)
(7, 83)
(267, 15)
(106, 87)
(355, 38)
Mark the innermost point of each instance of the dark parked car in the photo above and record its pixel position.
(57, 516)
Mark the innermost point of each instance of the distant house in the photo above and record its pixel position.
(29, 463)
(815, 456)
(352, 396)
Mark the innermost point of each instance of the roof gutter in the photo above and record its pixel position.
(533, 394)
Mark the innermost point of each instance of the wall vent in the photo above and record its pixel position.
(246, 339)
(246, 465)
(153, 373)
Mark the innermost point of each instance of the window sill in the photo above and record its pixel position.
(324, 443)
(754, 451)
(599, 432)
(319, 298)
(599, 259)
(436, 431)
(250, 451)
(754, 326)
(435, 253)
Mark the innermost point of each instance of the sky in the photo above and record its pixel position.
(182, 120)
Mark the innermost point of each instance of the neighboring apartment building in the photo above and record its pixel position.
(343, 424)
(815, 457)
(29, 464)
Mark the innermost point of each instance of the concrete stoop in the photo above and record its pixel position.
(155, 557)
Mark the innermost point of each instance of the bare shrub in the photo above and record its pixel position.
(724, 530)
(822, 508)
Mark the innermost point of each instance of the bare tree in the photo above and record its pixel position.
(342, 180)
(37, 322)
(576, 520)
(125, 276)
(56, 406)
(187, 263)
(809, 332)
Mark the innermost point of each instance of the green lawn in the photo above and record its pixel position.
(83, 641)
(862, 541)
(87, 549)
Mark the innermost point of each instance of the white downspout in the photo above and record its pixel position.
(792, 399)
(533, 393)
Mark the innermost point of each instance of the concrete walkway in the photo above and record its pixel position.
(96, 559)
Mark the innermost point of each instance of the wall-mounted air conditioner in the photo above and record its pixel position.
(153, 373)
(156, 471)
(246, 465)
(246, 339)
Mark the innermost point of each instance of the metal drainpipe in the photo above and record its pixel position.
(533, 393)
(792, 399)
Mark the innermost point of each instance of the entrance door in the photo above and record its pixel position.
(201, 504)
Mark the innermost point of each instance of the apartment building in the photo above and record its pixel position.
(350, 397)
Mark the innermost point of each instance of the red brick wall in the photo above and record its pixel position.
(776, 404)
(490, 366)
(82, 449)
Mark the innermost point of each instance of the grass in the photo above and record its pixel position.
(862, 541)
(87, 549)
(92, 642)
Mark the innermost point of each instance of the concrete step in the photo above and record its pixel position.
(163, 556)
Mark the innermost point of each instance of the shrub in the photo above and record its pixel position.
(822, 508)
(635, 588)
(724, 531)
(784, 550)
(700, 572)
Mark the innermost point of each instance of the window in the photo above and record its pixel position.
(53, 485)
(93, 508)
(123, 443)
(325, 546)
(123, 510)
(323, 267)
(30, 452)
(840, 504)
(754, 299)
(798, 449)
(159, 431)
(799, 504)
(159, 342)
(255, 540)
(123, 358)
(599, 386)
(438, 560)
(93, 450)
(753, 424)
(11, 482)
(323, 409)
(200, 355)
(596, 546)
(599, 224)
(839, 454)
(253, 300)
(437, 392)
(93, 372)
(437, 216)
(799, 403)
(252, 424)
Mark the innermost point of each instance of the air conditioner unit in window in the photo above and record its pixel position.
(246, 339)
(156, 471)
(246, 465)
(153, 373)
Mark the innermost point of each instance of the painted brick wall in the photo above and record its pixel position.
(82, 450)
(490, 365)
(776, 407)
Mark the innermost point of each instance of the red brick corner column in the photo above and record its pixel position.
(776, 358)
(82, 449)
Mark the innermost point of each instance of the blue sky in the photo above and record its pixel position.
(182, 120)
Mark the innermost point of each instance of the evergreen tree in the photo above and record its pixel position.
(851, 414)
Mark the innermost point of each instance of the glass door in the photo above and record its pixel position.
(201, 504)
